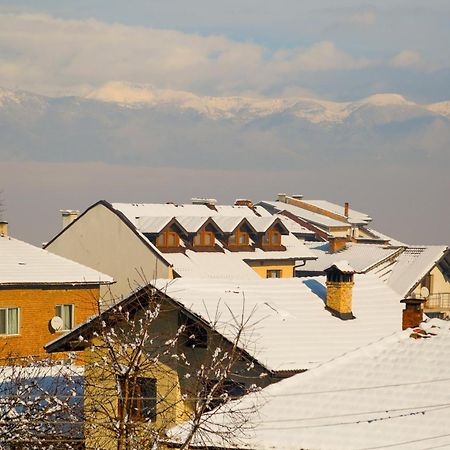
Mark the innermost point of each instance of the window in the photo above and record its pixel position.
(271, 273)
(238, 238)
(138, 398)
(66, 314)
(204, 239)
(194, 335)
(272, 238)
(9, 320)
(168, 239)
(223, 391)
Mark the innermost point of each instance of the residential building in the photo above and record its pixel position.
(328, 221)
(405, 269)
(138, 243)
(42, 296)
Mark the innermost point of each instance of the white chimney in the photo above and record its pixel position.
(282, 198)
(68, 216)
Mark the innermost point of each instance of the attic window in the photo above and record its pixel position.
(204, 239)
(272, 238)
(168, 239)
(238, 239)
(194, 335)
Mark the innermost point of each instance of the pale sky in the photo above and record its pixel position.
(321, 49)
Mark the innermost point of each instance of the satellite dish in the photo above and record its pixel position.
(56, 323)
(424, 292)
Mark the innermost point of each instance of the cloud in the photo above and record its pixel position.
(54, 56)
(406, 58)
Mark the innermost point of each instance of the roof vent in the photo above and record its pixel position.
(297, 196)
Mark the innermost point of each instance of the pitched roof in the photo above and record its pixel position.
(315, 218)
(22, 263)
(405, 272)
(360, 256)
(294, 330)
(393, 393)
(354, 216)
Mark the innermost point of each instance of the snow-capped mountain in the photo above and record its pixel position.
(133, 124)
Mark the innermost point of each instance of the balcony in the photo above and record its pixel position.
(438, 302)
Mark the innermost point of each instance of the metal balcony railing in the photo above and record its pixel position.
(439, 301)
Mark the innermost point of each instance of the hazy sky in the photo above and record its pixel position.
(325, 49)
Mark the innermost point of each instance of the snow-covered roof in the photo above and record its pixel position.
(293, 329)
(136, 210)
(354, 217)
(152, 224)
(405, 271)
(22, 263)
(393, 393)
(360, 256)
(315, 218)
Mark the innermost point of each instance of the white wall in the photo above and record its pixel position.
(101, 239)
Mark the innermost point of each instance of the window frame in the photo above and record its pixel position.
(164, 235)
(237, 234)
(137, 402)
(193, 327)
(201, 235)
(277, 271)
(268, 238)
(7, 309)
(72, 308)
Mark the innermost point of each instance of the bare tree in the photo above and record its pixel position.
(39, 403)
(150, 364)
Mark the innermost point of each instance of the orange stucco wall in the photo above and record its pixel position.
(37, 307)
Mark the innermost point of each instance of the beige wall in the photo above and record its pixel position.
(101, 240)
(439, 285)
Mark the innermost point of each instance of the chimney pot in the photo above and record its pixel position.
(337, 243)
(68, 216)
(3, 228)
(346, 206)
(412, 315)
(340, 290)
(282, 198)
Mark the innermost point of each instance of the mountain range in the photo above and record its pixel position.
(138, 124)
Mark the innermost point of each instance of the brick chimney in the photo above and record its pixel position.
(340, 289)
(346, 209)
(209, 202)
(68, 216)
(3, 228)
(337, 243)
(413, 312)
(243, 202)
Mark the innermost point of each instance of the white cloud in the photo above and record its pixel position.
(406, 58)
(54, 56)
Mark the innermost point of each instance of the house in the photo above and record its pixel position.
(138, 243)
(405, 269)
(327, 220)
(392, 393)
(42, 295)
(292, 325)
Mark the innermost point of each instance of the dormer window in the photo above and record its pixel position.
(271, 238)
(204, 239)
(168, 239)
(238, 239)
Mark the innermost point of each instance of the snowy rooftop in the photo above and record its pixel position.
(315, 218)
(360, 256)
(405, 271)
(355, 217)
(22, 263)
(294, 330)
(393, 393)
